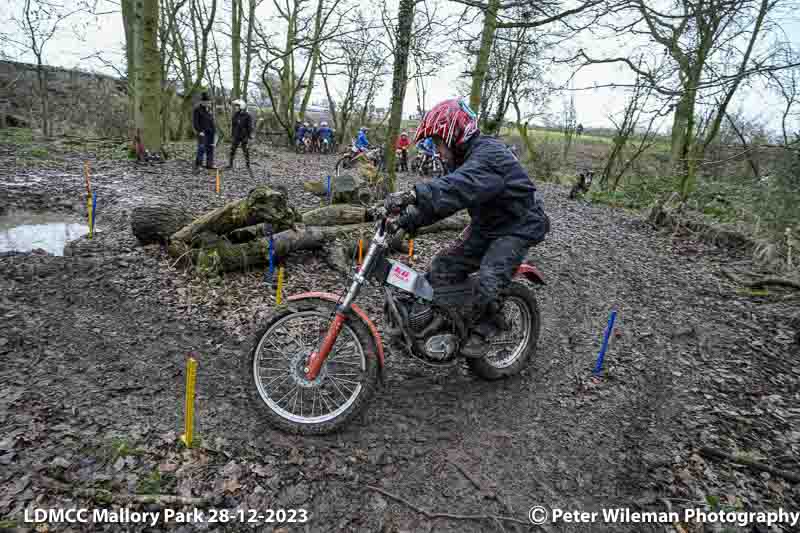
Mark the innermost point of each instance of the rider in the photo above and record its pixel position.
(361, 142)
(507, 215)
(314, 136)
(299, 133)
(403, 142)
(325, 133)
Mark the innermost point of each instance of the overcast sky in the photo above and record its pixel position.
(85, 36)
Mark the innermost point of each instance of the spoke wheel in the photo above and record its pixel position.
(512, 350)
(340, 391)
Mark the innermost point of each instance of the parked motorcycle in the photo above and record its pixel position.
(326, 147)
(316, 362)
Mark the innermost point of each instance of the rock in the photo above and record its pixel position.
(295, 457)
(60, 462)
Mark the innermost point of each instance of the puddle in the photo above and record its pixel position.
(24, 232)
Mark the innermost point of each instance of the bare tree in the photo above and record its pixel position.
(510, 14)
(709, 49)
(402, 47)
(787, 83)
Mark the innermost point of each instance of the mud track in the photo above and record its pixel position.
(93, 349)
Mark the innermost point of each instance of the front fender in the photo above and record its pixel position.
(330, 297)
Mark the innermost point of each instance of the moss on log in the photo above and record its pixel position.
(262, 204)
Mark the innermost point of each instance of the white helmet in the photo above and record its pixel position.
(324, 124)
(241, 103)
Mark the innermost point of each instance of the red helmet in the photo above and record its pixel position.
(452, 120)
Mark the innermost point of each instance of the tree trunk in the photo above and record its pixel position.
(248, 48)
(128, 21)
(41, 75)
(482, 61)
(226, 257)
(405, 23)
(156, 223)
(223, 256)
(335, 214)
(315, 51)
(261, 205)
(236, 45)
(151, 78)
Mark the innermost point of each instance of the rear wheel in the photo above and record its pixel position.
(341, 391)
(510, 351)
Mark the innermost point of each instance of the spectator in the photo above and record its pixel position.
(241, 131)
(204, 127)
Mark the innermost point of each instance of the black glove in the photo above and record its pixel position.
(410, 220)
(396, 201)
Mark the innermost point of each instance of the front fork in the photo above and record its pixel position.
(317, 358)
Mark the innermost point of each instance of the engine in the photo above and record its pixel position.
(431, 331)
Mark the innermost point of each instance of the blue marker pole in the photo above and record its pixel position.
(329, 188)
(94, 209)
(271, 257)
(602, 353)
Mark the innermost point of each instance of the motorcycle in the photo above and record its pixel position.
(315, 364)
(326, 148)
(373, 154)
(437, 167)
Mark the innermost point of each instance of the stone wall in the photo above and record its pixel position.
(80, 102)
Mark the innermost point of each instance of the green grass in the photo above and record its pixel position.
(16, 136)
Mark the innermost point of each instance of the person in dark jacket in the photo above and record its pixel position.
(241, 131)
(507, 217)
(204, 127)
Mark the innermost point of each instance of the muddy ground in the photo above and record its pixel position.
(94, 344)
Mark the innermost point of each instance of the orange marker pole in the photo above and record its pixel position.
(411, 250)
(217, 181)
(360, 251)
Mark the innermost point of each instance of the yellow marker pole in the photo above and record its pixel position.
(191, 376)
(218, 185)
(280, 286)
(360, 251)
(411, 250)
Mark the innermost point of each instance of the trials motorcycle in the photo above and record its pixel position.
(318, 359)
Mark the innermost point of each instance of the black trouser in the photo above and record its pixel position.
(205, 145)
(497, 259)
(404, 159)
(244, 142)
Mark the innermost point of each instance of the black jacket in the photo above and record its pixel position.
(492, 185)
(202, 120)
(242, 125)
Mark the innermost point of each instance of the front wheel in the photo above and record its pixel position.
(291, 402)
(510, 351)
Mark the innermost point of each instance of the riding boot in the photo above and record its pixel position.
(488, 321)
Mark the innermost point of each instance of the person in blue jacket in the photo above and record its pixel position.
(299, 133)
(362, 142)
(507, 216)
(426, 146)
(325, 133)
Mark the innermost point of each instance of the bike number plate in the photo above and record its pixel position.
(401, 276)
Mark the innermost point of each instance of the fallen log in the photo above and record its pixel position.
(262, 204)
(156, 223)
(708, 451)
(226, 256)
(332, 215)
